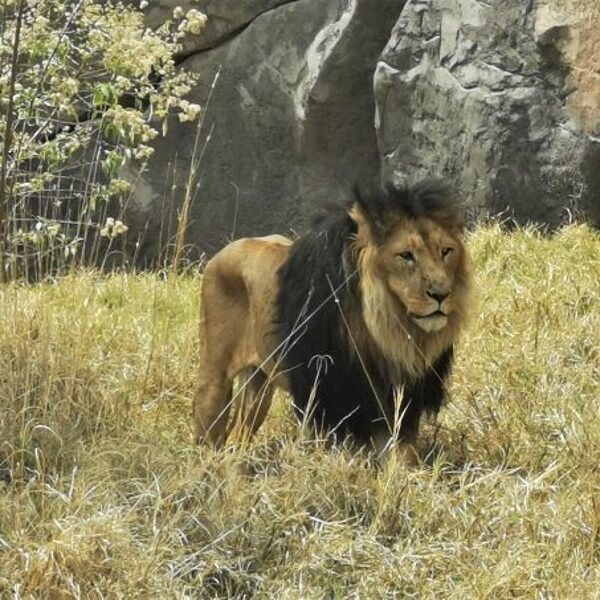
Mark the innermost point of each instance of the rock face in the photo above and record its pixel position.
(290, 121)
(226, 18)
(503, 98)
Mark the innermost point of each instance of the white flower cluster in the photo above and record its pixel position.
(49, 228)
(112, 228)
(189, 111)
(194, 21)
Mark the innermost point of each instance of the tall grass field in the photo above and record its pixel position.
(103, 494)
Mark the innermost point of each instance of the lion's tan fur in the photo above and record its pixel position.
(408, 350)
(239, 291)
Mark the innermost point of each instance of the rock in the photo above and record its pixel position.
(226, 18)
(287, 128)
(502, 98)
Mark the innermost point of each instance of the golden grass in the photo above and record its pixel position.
(103, 495)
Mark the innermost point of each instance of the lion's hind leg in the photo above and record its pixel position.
(252, 403)
(239, 291)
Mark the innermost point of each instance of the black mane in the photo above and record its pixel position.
(431, 198)
(318, 287)
(315, 350)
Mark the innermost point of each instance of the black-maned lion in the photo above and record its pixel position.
(357, 319)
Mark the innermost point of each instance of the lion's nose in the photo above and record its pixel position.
(436, 295)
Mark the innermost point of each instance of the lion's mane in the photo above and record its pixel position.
(340, 377)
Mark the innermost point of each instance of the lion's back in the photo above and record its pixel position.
(249, 262)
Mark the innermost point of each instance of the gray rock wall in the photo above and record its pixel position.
(501, 97)
(479, 92)
(290, 122)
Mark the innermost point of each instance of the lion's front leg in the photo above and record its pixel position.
(406, 453)
(388, 449)
(399, 441)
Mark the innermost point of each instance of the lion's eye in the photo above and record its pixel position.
(447, 252)
(407, 256)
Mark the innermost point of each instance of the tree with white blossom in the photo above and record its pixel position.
(85, 87)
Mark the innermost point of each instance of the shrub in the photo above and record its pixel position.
(84, 88)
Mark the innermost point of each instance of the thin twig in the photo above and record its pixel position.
(8, 131)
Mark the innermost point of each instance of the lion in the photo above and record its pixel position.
(357, 320)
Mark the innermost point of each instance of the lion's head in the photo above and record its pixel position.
(414, 273)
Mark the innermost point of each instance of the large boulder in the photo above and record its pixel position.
(503, 98)
(288, 126)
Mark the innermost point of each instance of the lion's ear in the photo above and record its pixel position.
(368, 218)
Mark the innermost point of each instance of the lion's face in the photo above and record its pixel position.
(420, 261)
(421, 264)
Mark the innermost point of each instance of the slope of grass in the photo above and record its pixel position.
(102, 493)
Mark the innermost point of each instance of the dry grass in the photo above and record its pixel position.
(577, 7)
(103, 495)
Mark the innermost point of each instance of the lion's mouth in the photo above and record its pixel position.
(432, 322)
(435, 313)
